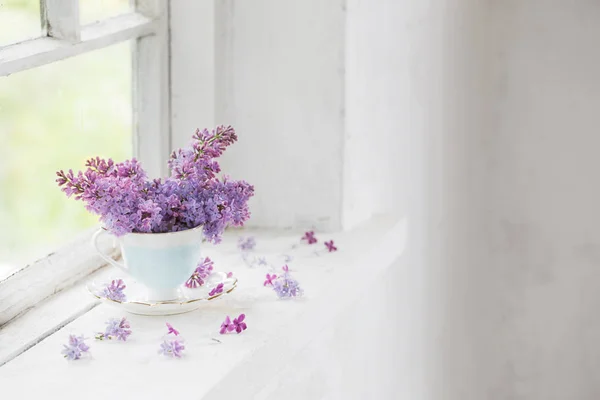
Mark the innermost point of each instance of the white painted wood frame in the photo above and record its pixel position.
(148, 27)
(60, 19)
(152, 90)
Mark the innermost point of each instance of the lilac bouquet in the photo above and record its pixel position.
(192, 196)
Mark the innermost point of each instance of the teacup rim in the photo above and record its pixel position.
(139, 234)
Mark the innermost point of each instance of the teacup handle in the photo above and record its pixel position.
(101, 254)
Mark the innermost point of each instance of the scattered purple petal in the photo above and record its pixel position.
(226, 326)
(262, 261)
(116, 329)
(202, 271)
(229, 274)
(172, 330)
(172, 348)
(286, 286)
(71, 353)
(310, 237)
(285, 268)
(269, 280)
(330, 246)
(246, 243)
(216, 290)
(114, 291)
(75, 348)
(239, 323)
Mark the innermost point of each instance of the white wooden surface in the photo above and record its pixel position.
(23, 289)
(242, 366)
(45, 318)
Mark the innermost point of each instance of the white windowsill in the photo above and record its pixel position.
(240, 366)
(26, 288)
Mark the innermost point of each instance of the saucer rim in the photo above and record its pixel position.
(163, 302)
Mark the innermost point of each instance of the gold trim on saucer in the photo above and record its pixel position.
(165, 302)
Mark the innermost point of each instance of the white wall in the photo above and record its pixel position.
(305, 79)
(502, 103)
(511, 242)
(279, 82)
(484, 116)
(542, 232)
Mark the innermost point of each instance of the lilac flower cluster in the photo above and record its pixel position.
(237, 325)
(202, 271)
(116, 329)
(75, 348)
(193, 196)
(285, 285)
(172, 347)
(114, 291)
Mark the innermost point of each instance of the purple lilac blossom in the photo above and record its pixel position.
(330, 246)
(202, 271)
(74, 349)
(193, 196)
(310, 237)
(226, 326)
(269, 280)
(172, 330)
(117, 329)
(262, 261)
(172, 348)
(114, 291)
(239, 324)
(246, 243)
(286, 286)
(216, 290)
(230, 275)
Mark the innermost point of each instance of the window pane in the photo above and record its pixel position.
(55, 117)
(19, 20)
(96, 10)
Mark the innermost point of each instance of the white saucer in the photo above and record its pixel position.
(189, 298)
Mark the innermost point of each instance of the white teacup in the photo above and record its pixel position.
(160, 261)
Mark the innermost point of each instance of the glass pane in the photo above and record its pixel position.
(19, 21)
(91, 11)
(55, 117)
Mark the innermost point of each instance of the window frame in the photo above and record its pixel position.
(148, 27)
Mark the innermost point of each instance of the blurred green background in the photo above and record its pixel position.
(55, 117)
